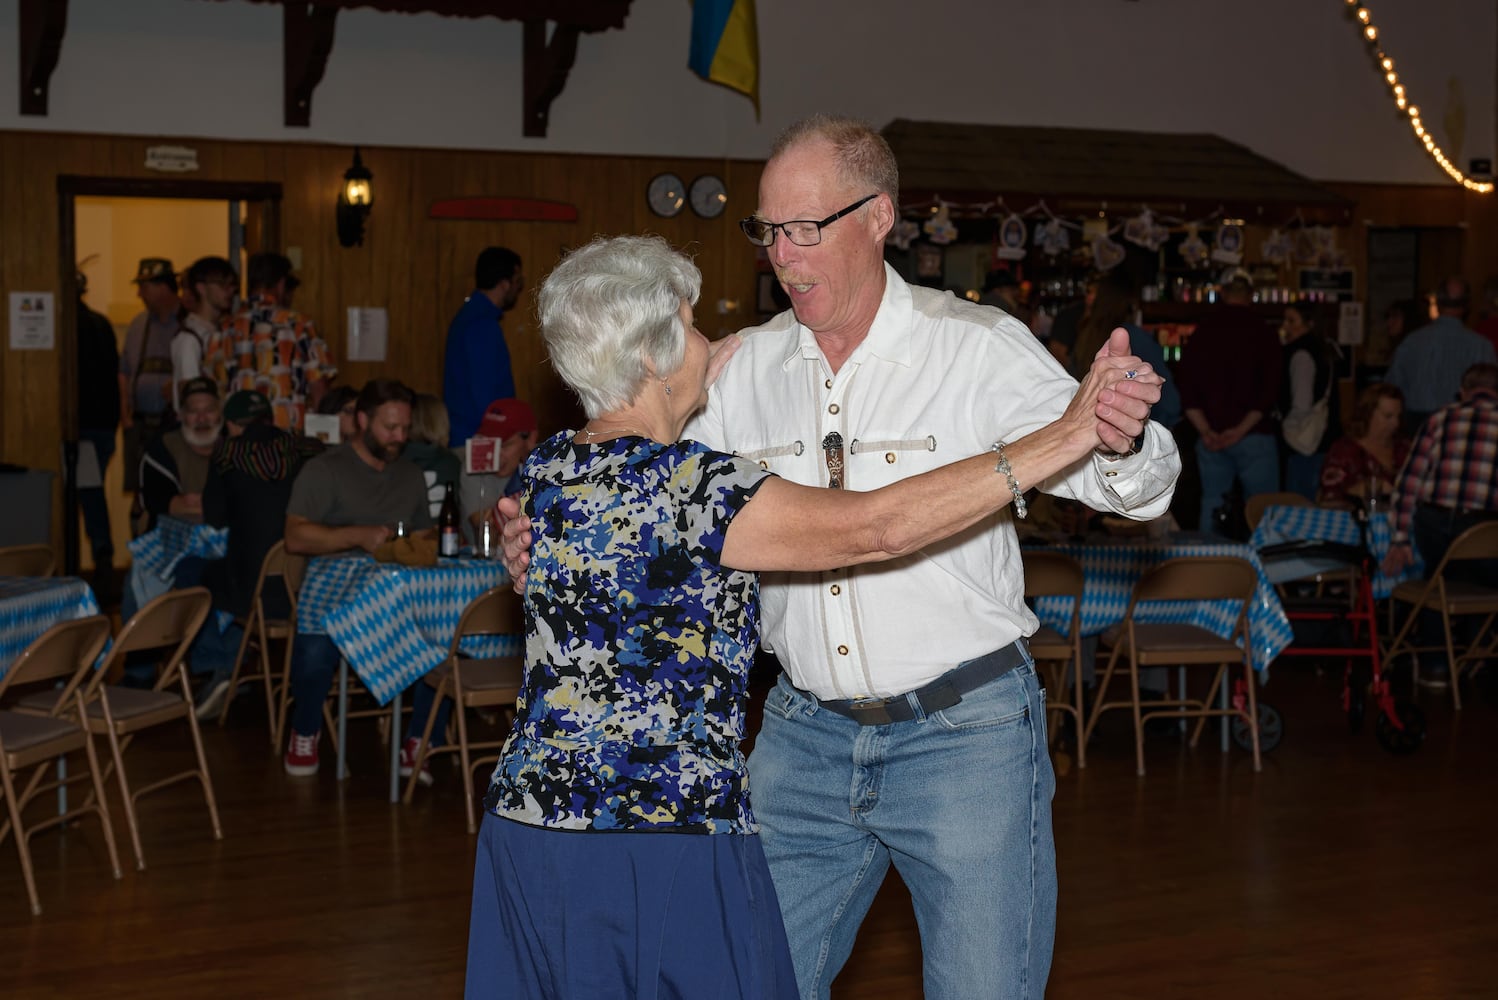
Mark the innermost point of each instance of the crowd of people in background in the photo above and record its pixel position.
(213, 392)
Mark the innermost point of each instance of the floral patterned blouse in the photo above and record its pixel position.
(1348, 465)
(638, 642)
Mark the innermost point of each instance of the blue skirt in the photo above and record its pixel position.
(561, 915)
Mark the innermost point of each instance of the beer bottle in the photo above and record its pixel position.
(447, 523)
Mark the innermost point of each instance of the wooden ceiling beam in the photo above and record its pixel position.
(43, 23)
(546, 67)
(306, 41)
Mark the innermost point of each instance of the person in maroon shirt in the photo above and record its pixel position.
(1230, 380)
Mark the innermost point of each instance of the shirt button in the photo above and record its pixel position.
(833, 408)
(1110, 473)
(842, 650)
(827, 384)
(836, 590)
(889, 457)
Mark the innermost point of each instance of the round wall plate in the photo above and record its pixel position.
(707, 196)
(665, 195)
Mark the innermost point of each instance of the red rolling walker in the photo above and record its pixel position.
(1400, 725)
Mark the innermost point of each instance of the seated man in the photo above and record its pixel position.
(248, 492)
(347, 498)
(172, 474)
(174, 469)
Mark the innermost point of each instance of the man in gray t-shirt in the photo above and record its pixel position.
(348, 498)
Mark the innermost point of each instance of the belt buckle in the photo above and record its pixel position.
(876, 710)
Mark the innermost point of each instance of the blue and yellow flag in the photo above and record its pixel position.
(725, 45)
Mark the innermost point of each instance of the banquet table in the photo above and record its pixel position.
(1112, 566)
(1292, 523)
(29, 605)
(156, 554)
(392, 624)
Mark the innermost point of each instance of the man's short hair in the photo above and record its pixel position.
(336, 398)
(1483, 375)
(207, 269)
(1239, 288)
(495, 264)
(379, 391)
(266, 270)
(1453, 293)
(863, 157)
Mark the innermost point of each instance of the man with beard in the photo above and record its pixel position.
(348, 498)
(477, 368)
(174, 469)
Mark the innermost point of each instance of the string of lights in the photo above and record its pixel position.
(1403, 102)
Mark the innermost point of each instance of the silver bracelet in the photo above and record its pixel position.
(1003, 468)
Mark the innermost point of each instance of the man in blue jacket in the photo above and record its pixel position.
(477, 369)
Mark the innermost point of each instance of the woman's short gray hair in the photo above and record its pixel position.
(611, 312)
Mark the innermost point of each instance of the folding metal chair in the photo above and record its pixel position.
(171, 622)
(33, 743)
(1192, 578)
(1453, 596)
(277, 570)
(27, 560)
(487, 683)
(1055, 574)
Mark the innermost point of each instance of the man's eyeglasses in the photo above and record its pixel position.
(802, 232)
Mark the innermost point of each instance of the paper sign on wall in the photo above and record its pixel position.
(1350, 323)
(33, 321)
(368, 330)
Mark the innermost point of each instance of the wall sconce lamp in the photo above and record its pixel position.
(355, 199)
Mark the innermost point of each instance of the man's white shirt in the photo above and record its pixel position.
(936, 380)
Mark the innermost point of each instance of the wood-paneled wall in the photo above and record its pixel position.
(419, 269)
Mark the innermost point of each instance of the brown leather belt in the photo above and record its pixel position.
(944, 692)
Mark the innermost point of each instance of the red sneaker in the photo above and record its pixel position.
(408, 761)
(301, 754)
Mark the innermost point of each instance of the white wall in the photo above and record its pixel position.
(1289, 78)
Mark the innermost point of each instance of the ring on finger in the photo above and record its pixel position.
(1131, 374)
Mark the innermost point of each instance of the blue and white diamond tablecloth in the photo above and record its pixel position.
(1293, 524)
(394, 623)
(29, 605)
(159, 550)
(1112, 568)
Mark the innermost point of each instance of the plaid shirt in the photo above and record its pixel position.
(1453, 462)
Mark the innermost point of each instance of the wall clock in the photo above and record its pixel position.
(665, 195)
(707, 196)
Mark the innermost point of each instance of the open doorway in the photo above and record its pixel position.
(108, 227)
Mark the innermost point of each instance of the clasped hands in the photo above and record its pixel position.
(1123, 402)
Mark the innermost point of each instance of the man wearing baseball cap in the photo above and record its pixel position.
(146, 362)
(174, 469)
(249, 485)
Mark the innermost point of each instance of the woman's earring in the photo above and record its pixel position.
(667, 385)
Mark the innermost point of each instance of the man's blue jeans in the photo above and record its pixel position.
(314, 661)
(314, 664)
(1303, 474)
(958, 801)
(1255, 460)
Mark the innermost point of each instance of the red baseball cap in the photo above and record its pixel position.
(507, 417)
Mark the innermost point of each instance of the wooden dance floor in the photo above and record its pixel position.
(1340, 871)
